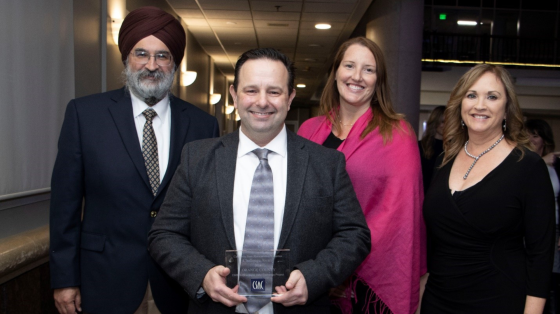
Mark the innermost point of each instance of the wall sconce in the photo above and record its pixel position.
(116, 28)
(215, 98)
(229, 109)
(188, 77)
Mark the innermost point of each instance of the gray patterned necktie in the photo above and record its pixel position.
(259, 234)
(150, 150)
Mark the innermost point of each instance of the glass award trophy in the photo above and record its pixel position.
(257, 272)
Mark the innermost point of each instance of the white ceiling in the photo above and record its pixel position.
(227, 28)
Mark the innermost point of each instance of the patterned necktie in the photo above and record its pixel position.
(259, 235)
(150, 150)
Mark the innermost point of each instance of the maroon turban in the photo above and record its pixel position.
(146, 21)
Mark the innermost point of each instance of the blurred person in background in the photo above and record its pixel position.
(542, 139)
(431, 145)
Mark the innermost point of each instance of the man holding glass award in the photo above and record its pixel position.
(260, 220)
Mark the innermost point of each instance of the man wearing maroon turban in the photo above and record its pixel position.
(117, 153)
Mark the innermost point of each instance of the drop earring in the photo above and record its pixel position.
(504, 125)
(462, 124)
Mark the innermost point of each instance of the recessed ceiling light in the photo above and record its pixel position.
(467, 23)
(322, 26)
(231, 23)
(300, 85)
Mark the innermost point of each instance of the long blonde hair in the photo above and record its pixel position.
(455, 136)
(384, 115)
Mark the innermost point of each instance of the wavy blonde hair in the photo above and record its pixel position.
(455, 136)
(384, 116)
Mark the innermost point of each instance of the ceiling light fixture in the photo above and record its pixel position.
(466, 23)
(300, 85)
(322, 26)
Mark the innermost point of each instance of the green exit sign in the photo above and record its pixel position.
(443, 16)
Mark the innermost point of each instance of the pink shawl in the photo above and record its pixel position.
(388, 182)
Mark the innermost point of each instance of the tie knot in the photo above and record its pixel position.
(149, 114)
(262, 153)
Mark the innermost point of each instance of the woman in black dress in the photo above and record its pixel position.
(490, 209)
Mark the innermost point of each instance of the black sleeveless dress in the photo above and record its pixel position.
(492, 244)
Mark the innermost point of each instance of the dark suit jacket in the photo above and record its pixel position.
(323, 224)
(100, 163)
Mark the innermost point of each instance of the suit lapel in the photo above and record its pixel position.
(226, 159)
(297, 167)
(121, 112)
(179, 126)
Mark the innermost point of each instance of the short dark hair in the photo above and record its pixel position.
(266, 53)
(542, 129)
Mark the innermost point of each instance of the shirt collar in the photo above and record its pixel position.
(138, 106)
(278, 145)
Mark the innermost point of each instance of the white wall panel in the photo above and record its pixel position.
(37, 81)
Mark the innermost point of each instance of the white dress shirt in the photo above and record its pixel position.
(161, 124)
(247, 163)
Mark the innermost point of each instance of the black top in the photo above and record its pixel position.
(492, 244)
(362, 291)
(429, 165)
(332, 141)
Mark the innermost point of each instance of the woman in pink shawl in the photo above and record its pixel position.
(384, 166)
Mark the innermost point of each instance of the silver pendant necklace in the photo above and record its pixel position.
(478, 157)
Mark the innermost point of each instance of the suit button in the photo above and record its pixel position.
(153, 214)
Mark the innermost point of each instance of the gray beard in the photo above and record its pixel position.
(150, 93)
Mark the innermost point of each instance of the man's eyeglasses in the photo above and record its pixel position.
(143, 57)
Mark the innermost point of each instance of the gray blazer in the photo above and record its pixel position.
(323, 225)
